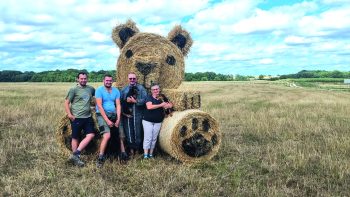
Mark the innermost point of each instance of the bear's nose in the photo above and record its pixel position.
(145, 68)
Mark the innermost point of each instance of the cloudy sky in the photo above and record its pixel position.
(248, 37)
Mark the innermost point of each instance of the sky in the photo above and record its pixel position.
(246, 37)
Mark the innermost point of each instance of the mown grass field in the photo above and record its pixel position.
(277, 141)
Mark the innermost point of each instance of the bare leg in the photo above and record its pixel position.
(122, 147)
(85, 141)
(104, 142)
(74, 144)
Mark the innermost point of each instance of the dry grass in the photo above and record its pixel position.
(277, 141)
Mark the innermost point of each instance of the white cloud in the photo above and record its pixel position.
(45, 59)
(335, 1)
(266, 61)
(296, 40)
(336, 18)
(326, 23)
(77, 54)
(99, 37)
(17, 37)
(261, 22)
(226, 12)
(53, 51)
(84, 61)
(205, 49)
(23, 28)
(43, 18)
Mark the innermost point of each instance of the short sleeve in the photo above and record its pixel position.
(148, 99)
(70, 95)
(98, 93)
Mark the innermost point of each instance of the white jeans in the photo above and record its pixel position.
(151, 131)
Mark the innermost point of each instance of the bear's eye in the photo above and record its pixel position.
(128, 53)
(170, 60)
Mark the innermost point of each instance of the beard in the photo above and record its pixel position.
(108, 85)
(82, 83)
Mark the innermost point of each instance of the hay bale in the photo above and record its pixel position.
(190, 136)
(63, 135)
(153, 58)
(150, 53)
(183, 100)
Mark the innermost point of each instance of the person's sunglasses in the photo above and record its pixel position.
(132, 78)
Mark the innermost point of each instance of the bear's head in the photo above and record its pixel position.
(153, 58)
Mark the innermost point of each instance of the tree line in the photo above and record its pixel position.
(51, 76)
(317, 74)
(96, 76)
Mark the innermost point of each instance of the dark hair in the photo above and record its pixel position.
(81, 73)
(154, 84)
(107, 75)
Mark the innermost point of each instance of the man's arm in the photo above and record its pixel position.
(103, 113)
(67, 108)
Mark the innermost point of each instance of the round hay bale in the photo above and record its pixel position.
(190, 136)
(64, 137)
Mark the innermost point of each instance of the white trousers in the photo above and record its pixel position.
(151, 131)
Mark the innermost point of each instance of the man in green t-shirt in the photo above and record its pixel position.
(77, 106)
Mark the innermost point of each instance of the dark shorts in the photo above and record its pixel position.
(85, 124)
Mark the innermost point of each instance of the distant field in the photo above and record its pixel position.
(277, 141)
(321, 83)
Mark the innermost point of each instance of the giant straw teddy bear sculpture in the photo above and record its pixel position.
(189, 134)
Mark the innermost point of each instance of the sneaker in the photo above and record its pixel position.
(150, 156)
(145, 156)
(100, 161)
(75, 160)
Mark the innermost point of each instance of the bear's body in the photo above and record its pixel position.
(189, 135)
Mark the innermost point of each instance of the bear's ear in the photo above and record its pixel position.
(181, 38)
(122, 33)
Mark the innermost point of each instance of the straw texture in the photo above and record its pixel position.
(151, 54)
(176, 34)
(183, 100)
(190, 136)
(153, 58)
(121, 33)
(63, 135)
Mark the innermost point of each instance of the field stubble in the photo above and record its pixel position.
(277, 141)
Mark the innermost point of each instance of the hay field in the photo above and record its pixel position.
(277, 141)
